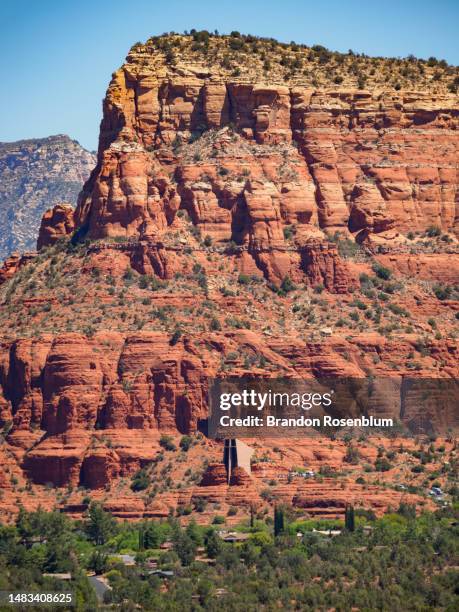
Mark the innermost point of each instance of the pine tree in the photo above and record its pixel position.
(185, 549)
(194, 532)
(101, 525)
(213, 544)
(152, 535)
(98, 562)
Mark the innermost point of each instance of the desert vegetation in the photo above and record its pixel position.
(400, 561)
(240, 55)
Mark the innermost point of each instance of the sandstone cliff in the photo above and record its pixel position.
(241, 219)
(266, 162)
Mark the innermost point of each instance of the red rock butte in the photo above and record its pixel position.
(209, 171)
(374, 164)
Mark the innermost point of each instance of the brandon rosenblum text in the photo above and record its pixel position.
(302, 421)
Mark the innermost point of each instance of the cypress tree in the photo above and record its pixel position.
(349, 518)
(278, 520)
(142, 537)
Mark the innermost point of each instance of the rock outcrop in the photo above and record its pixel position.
(35, 175)
(267, 166)
(354, 172)
(13, 264)
(219, 234)
(56, 223)
(64, 388)
(324, 266)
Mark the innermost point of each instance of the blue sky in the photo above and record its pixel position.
(56, 56)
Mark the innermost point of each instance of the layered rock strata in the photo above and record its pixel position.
(56, 391)
(267, 166)
(219, 180)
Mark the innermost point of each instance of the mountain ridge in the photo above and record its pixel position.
(36, 174)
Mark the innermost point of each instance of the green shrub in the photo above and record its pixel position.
(167, 442)
(287, 285)
(186, 443)
(236, 44)
(200, 504)
(381, 271)
(140, 481)
(143, 281)
(433, 231)
(289, 231)
(218, 520)
(398, 310)
(215, 325)
(243, 279)
(442, 292)
(359, 304)
(175, 337)
(382, 465)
